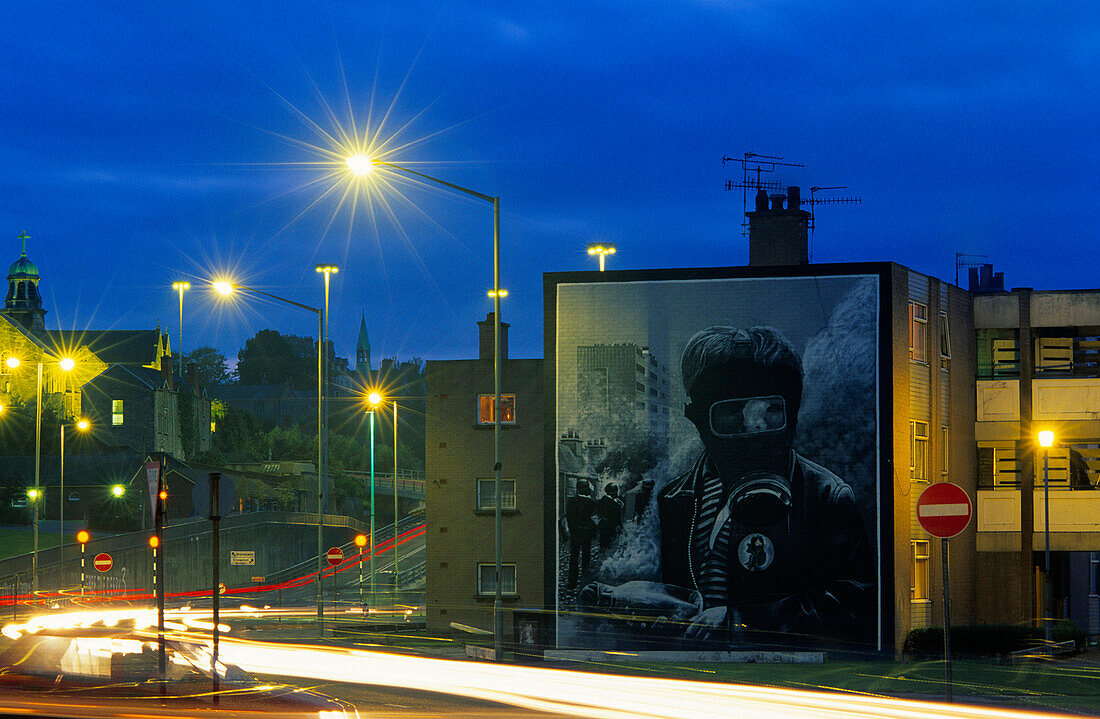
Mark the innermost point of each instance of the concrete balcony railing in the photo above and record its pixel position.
(1074, 520)
(1063, 398)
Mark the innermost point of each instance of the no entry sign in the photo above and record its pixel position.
(944, 510)
(103, 562)
(335, 555)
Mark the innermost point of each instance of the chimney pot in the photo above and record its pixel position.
(777, 201)
(794, 198)
(761, 200)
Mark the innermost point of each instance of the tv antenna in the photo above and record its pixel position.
(754, 165)
(963, 259)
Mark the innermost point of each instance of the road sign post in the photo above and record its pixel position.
(103, 562)
(335, 556)
(944, 510)
(215, 589)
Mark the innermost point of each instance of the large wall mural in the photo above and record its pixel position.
(717, 464)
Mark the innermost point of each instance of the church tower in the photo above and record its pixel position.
(362, 349)
(23, 303)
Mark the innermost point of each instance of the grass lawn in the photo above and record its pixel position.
(20, 540)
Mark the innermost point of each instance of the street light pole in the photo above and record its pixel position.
(396, 585)
(37, 467)
(363, 165)
(227, 288)
(370, 544)
(322, 427)
(1046, 441)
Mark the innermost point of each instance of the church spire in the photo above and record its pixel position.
(362, 348)
(23, 303)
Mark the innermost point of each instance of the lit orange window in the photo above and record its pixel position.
(485, 409)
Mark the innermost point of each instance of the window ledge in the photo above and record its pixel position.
(491, 425)
(492, 597)
(493, 511)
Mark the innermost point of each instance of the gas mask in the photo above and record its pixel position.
(748, 441)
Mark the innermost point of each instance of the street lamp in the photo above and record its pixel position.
(180, 287)
(322, 405)
(363, 165)
(1046, 441)
(66, 364)
(81, 425)
(396, 585)
(226, 288)
(601, 250)
(373, 398)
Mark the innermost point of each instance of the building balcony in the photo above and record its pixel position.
(1054, 399)
(1074, 520)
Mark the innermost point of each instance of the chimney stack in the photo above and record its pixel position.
(778, 234)
(485, 339)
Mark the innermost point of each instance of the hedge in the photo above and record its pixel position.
(982, 640)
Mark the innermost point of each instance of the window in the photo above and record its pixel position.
(918, 332)
(116, 412)
(4, 369)
(918, 455)
(487, 576)
(919, 588)
(485, 409)
(1006, 473)
(1006, 358)
(1054, 354)
(944, 453)
(945, 341)
(640, 368)
(639, 405)
(486, 494)
(639, 387)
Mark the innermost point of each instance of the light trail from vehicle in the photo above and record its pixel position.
(581, 693)
(139, 594)
(569, 692)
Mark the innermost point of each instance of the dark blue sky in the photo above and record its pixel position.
(142, 144)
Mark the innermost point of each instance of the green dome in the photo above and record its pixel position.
(24, 267)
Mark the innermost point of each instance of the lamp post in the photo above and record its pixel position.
(373, 398)
(225, 288)
(363, 165)
(601, 250)
(396, 585)
(1046, 441)
(323, 407)
(82, 425)
(180, 287)
(66, 364)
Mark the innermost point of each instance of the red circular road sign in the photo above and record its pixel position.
(944, 509)
(334, 556)
(103, 562)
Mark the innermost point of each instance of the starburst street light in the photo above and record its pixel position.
(362, 165)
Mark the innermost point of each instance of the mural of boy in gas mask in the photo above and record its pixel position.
(771, 541)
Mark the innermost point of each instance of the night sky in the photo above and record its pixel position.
(145, 143)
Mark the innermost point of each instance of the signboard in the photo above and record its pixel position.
(944, 509)
(335, 555)
(242, 558)
(152, 476)
(221, 587)
(103, 562)
(257, 579)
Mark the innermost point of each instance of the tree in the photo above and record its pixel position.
(272, 358)
(211, 366)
